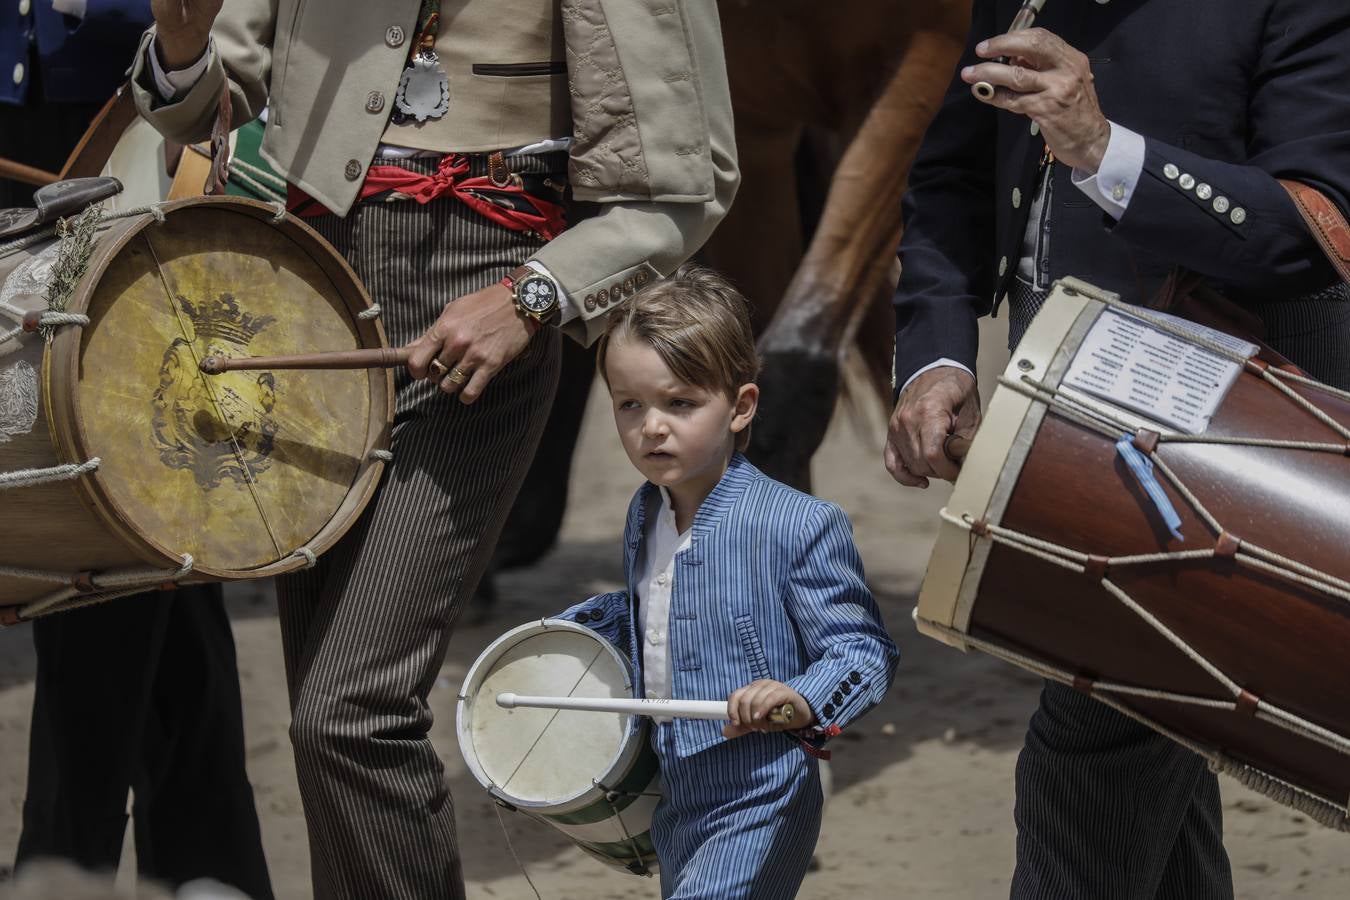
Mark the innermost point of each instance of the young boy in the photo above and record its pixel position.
(741, 589)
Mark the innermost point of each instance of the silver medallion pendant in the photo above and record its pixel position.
(424, 89)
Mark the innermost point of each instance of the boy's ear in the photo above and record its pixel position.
(747, 401)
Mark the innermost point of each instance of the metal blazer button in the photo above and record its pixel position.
(353, 170)
(394, 36)
(374, 101)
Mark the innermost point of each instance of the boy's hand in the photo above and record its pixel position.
(748, 708)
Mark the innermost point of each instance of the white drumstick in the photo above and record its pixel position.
(676, 709)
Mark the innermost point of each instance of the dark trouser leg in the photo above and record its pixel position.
(194, 811)
(1109, 810)
(365, 631)
(142, 692)
(95, 667)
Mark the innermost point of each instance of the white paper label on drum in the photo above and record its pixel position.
(18, 399)
(1133, 364)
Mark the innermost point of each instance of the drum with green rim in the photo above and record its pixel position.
(593, 776)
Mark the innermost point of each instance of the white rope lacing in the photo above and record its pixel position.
(102, 586)
(381, 455)
(373, 312)
(31, 477)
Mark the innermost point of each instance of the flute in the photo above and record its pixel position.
(675, 709)
(1025, 18)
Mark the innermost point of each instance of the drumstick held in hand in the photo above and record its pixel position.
(715, 710)
(378, 358)
(956, 447)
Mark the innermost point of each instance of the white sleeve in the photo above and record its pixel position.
(177, 83)
(1122, 164)
(73, 8)
(934, 365)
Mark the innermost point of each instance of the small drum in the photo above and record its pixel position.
(121, 465)
(593, 776)
(1155, 515)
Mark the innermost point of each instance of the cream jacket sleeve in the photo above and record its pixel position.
(243, 34)
(660, 161)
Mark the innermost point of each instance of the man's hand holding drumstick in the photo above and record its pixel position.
(749, 709)
(182, 29)
(1050, 83)
(469, 344)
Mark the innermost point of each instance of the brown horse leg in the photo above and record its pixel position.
(848, 261)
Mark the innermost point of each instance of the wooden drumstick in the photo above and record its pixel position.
(378, 358)
(956, 447)
(676, 709)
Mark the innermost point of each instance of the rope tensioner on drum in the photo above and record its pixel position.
(372, 313)
(95, 587)
(381, 455)
(307, 555)
(31, 477)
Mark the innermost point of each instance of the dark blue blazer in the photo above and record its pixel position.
(81, 60)
(1237, 93)
(771, 586)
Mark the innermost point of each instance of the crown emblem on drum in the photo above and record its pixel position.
(222, 319)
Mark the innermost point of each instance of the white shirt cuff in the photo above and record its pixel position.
(566, 308)
(172, 85)
(74, 8)
(934, 365)
(1113, 185)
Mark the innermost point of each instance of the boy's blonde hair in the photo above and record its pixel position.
(699, 325)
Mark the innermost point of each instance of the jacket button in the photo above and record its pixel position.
(838, 697)
(24, 7)
(18, 73)
(641, 278)
(847, 689)
(583, 617)
(602, 298)
(596, 615)
(827, 710)
(590, 303)
(353, 170)
(855, 677)
(394, 36)
(374, 101)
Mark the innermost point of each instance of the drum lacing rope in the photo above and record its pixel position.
(38, 237)
(122, 582)
(31, 477)
(307, 555)
(638, 867)
(1315, 807)
(497, 808)
(279, 211)
(381, 455)
(373, 312)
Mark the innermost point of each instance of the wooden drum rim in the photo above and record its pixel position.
(61, 366)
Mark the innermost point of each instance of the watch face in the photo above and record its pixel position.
(537, 294)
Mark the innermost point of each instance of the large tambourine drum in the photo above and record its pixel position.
(1154, 514)
(121, 464)
(593, 776)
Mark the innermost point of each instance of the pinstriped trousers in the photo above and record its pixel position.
(365, 631)
(1107, 808)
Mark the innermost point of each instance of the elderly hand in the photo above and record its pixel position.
(1051, 83)
(749, 707)
(474, 337)
(940, 402)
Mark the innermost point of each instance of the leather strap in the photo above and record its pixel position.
(1326, 223)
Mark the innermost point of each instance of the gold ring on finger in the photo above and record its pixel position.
(457, 376)
(437, 370)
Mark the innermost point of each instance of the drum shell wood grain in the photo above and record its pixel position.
(84, 525)
(1287, 644)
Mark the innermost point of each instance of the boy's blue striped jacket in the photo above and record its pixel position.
(771, 586)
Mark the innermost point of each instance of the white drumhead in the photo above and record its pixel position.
(542, 757)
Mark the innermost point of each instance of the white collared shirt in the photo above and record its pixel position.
(655, 583)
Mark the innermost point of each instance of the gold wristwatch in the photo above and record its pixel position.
(535, 295)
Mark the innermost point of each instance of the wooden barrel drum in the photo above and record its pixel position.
(1230, 634)
(122, 466)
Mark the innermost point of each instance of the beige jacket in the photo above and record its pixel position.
(646, 83)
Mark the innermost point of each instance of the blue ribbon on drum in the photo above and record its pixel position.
(1142, 467)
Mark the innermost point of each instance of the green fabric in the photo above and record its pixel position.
(250, 176)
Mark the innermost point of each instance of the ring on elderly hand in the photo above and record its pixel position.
(437, 369)
(457, 376)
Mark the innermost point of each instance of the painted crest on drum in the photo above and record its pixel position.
(18, 399)
(223, 428)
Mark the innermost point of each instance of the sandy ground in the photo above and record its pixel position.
(922, 804)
